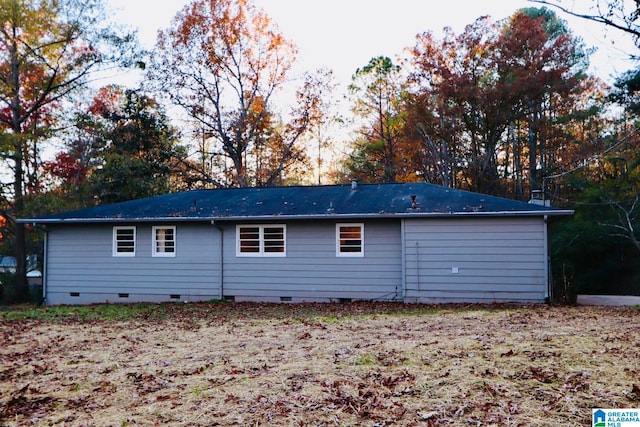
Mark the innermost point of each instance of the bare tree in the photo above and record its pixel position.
(622, 15)
(627, 219)
(222, 62)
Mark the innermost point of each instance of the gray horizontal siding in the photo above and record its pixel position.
(493, 259)
(497, 259)
(311, 270)
(80, 261)
(485, 297)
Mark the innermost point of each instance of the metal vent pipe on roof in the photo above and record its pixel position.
(354, 184)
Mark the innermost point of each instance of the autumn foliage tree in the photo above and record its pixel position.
(48, 48)
(120, 147)
(601, 242)
(223, 62)
(554, 88)
(483, 99)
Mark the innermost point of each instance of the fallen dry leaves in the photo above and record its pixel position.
(366, 364)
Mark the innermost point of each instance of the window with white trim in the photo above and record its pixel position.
(164, 241)
(350, 240)
(124, 241)
(261, 240)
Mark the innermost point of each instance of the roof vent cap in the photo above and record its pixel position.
(537, 198)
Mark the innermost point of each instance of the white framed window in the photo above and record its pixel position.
(163, 240)
(124, 241)
(350, 240)
(261, 240)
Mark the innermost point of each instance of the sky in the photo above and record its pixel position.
(344, 35)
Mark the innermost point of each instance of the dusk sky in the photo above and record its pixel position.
(344, 35)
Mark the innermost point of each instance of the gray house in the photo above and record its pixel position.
(413, 242)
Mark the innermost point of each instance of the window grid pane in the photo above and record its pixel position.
(125, 247)
(273, 239)
(164, 240)
(350, 239)
(261, 240)
(273, 247)
(249, 239)
(350, 246)
(250, 233)
(250, 246)
(124, 241)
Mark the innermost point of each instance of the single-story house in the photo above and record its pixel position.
(411, 242)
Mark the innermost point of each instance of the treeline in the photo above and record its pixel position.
(505, 108)
(508, 108)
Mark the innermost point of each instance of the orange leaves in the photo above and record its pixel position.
(67, 168)
(3, 223)
(222, 62)
(477, 93)
(106, 100)
(223, 45)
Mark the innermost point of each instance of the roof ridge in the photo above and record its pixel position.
(412, 199)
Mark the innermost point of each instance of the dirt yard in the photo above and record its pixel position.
(351, 364)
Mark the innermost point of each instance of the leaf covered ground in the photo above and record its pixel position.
(365, 364)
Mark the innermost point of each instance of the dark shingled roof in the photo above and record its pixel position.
(300, 202)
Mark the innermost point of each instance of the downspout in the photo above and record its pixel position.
(44, 265)
(548, 288)
(220, 260)
(404, 261)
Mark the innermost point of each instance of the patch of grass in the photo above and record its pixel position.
(101, 312)
(225, 310)
(219, 301)
(328, 319)
(367, 359)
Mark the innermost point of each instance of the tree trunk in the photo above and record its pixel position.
(534, 147)
(533, 170)
(517, 165)
(22, 290)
